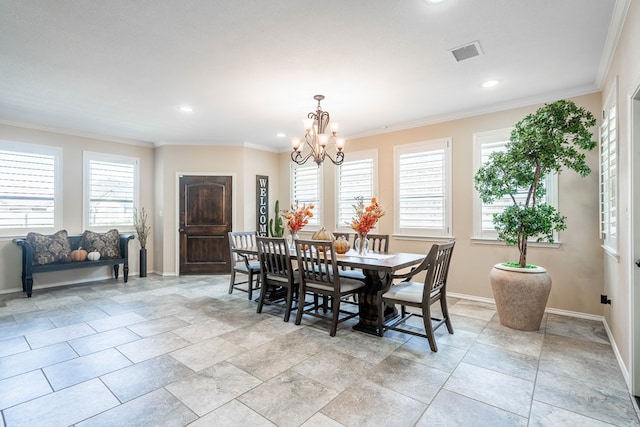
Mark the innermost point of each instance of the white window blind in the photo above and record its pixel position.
(30, 195)
(609, 175)
(355, 178)
(306, 189)
(485, 144)
(110, 190)
(422, 187)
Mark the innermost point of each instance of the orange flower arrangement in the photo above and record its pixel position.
(366, 216)
(298, 217)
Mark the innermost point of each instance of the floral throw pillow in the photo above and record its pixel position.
(49, 249)
(108, 244)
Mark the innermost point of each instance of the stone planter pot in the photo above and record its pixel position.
(521, 295)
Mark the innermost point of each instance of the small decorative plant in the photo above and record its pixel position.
(141, 227)
(276, 229)
(554, 137)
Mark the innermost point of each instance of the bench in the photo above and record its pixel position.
(28, 267)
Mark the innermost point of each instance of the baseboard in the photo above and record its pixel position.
(614, 346)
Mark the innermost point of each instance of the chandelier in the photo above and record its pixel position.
(316, 139)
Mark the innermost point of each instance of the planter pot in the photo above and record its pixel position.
(521, 295)
(143, 262)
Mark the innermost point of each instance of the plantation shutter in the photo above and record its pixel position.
(306, 189)
(111, 197)
(422, 189)
(27, 190)
(355, 179)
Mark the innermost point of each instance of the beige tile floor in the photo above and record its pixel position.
(181, 351)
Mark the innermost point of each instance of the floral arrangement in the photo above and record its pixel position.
(366, 216)
(298, 216)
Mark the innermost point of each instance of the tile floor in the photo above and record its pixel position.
(181, 351)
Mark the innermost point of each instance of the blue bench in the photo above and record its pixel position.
(28, 268)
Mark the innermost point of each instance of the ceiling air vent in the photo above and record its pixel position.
(467, 51)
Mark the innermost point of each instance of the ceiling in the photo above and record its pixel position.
(250, 68)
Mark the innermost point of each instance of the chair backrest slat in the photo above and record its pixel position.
(439, 258)
(274, 256)
(242, 239)
(316, 263)
(378, 242)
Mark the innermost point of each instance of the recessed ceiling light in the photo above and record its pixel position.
(280, 135)
(435, 1)
(490, 83)
(185, 108)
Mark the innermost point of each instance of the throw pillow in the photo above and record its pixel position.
(108, 244)
(49, 249)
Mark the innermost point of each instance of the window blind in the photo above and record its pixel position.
(355, 179)
(111, 195)
(305, 189)
(27, 190)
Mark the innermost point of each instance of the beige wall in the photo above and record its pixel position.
(575, 266)
(72, 161)
(618, 280)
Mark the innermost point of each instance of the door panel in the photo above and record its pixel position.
(205, 220)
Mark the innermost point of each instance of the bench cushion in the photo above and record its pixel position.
(107, 243)
(49, 249)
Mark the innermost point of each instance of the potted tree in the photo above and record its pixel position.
(553, 138)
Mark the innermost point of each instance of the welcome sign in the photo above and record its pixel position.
(262, 205)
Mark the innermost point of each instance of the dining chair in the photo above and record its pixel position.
(319, 275)
(378, 242)
(247, 264)
(420, 295)
(276, 274)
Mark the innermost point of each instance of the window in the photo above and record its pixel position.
(306, 189)
(609, 174)
(356, 177)
(110, 190)
(30, 188)
(486, 143)
(423, 188)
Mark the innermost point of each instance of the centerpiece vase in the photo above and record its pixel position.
(361, 244)
(291, 240)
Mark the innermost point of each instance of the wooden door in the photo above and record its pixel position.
(205, 220)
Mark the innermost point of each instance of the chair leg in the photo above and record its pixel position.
(250, 285)
(289, 303)
(336, 313)
(263, 295)
(445, 313)
(301, 298)
(232, 281)
(428, 327)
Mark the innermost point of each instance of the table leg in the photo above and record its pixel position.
(367, 304)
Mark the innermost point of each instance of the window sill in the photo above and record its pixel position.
(611, 253)
(422, 238)
(497, 242)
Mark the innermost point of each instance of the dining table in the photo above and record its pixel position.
(378, 269)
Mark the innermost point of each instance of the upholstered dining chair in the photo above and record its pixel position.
(319, 275)
(420, 295)
(246, 264)
(276, 274)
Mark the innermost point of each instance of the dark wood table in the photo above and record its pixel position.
(378, 269)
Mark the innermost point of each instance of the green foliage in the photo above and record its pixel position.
(276, 227)
(555, 137)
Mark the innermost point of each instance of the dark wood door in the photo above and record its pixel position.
(205, 220)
